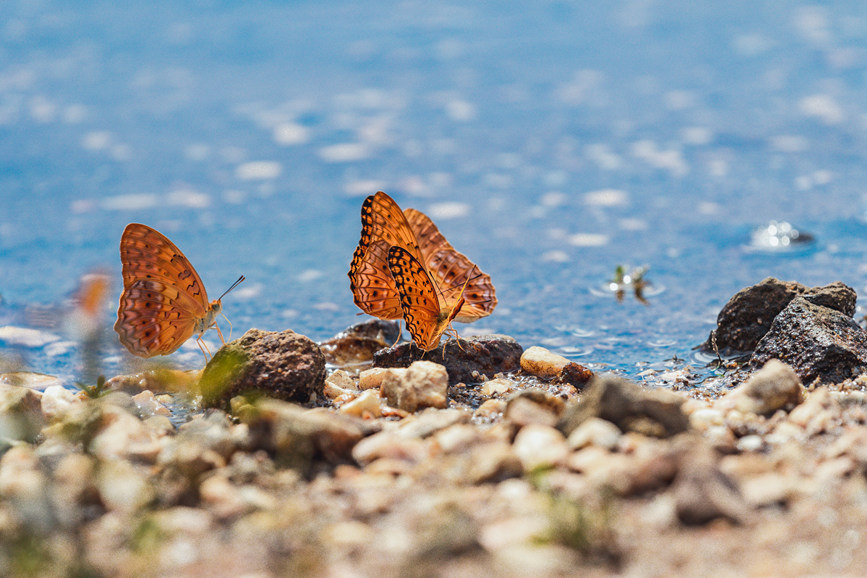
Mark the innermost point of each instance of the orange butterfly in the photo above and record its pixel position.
(427, 282)
(164, 301)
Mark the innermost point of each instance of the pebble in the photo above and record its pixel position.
(371, 378)
(543, 363)
(539, 446)
(490, 409)
(392, 446)
(422, 384)
(522, 411)
(750, 443)
(594, 432)
(497, 387)
(56, 400)
(775, 386)
(705, 418)
(148, 405)
(365, 405)
(338, 383)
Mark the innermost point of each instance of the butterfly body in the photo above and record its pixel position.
(164, 301)
(403, 267)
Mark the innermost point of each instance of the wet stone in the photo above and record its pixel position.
(358, 343)
(655, 413)
(818, 342)
(748, 315)
(546, 364)
(283, 365)
(465, 361)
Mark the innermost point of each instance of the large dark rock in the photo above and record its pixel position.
(745, 319)
(283, 365)
(357, 343)
(465, 362)
(654, 413)
(818, 342)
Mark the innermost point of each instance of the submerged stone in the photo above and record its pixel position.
(358, 343)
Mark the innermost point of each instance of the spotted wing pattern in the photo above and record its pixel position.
(418, 298)
(451, 270)
(163, 297)
(382, 226)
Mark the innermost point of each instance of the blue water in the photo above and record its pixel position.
(550, 141)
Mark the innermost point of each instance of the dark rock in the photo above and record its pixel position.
(358, 343)
(818, 342)
(283, 365)
(465, 361)
(653, 413)
(748, 315)
(702, 492)
(574, 374)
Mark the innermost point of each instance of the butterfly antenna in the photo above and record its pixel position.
(235, 284)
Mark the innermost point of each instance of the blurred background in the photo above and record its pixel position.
(550, 141)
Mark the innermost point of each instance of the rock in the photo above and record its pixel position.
(702, 492)
(819, 413)
(298, 437)
(655, 413)
(522, 411)
(422, 384)
(156, 380)
(122, 487)
(818, 342)
(540, 446)
(490, 409)
(20, 414)
(389, 445)
(148, 405)
(594, 432)
(339, 383)
(748, 315)
(492, 462)
(56, 400)
(497, 387)
(284, 365)
(545, 364)
(371, 378)
(366, 405)
(358, 343)
(542, 363)
(430, 421)
(465, 361)
(775, 386)
(29, 379)
(123, 435)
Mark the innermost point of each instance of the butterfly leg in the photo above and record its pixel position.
(220, 333)
(203, 346)
(230, 328)
(399, 334)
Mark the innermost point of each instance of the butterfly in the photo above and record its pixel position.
(434, 276)
(164, 301)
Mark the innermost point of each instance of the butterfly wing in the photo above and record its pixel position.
(372, 284)
(418, 298)
(382, 225)
(452, 270)
(152, 318)
(163, 297)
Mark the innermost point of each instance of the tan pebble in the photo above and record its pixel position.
(704, 418)
(389, 445)
(496, 387)
(122, 487)
(540, 446)
(148, 405)
(775, 386)
(423, 384)
(366, 405)
(588, 459)
(594, 432)
(750, 443)
(490, 409)
(371, 378)
(456, 438)
(56, 400)
(522, 411)
(339, 384)
(541, 362)
(692, 404)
